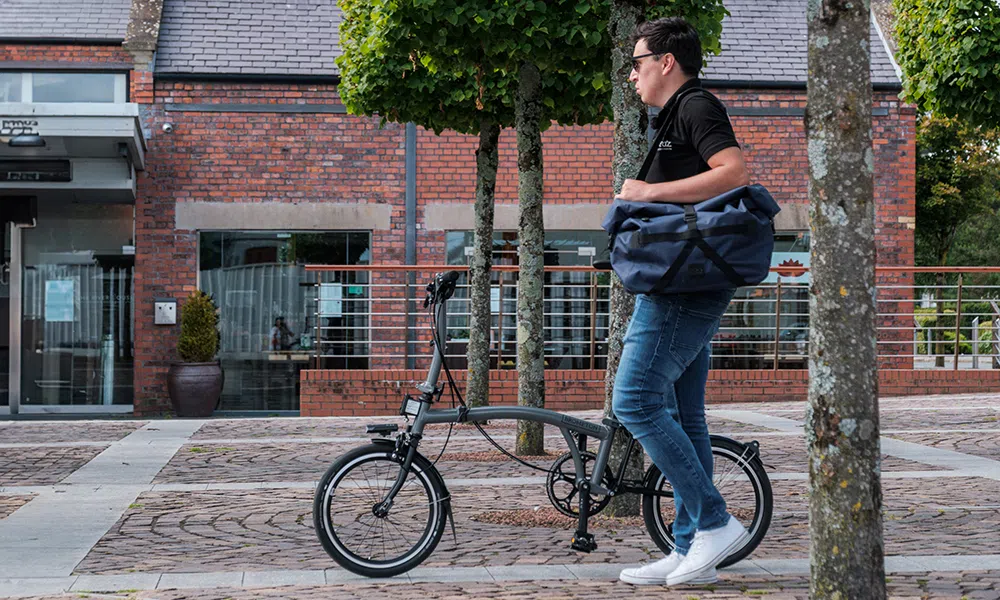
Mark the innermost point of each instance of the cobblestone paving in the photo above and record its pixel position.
(789, 454)
(43, 466)
(355, 427)
(891, 420)
(973, 585)
(893, 403)
(21, 432)
(272, 529)
(940, 419)
(8, 504)
(985, 445)
(247, 463)
(904, 494)
(254, 530)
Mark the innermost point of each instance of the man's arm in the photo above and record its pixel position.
(728, 171)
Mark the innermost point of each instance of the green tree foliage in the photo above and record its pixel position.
(444, 64)
(958, 183)
(948, 50)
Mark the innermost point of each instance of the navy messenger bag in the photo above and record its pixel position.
(662, 248)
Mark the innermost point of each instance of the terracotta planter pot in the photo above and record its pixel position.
(194, 388)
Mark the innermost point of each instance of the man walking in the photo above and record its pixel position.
(659, 393)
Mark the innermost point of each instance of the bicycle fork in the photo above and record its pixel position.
(382, 508)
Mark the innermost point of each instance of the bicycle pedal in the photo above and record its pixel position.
(583, 542)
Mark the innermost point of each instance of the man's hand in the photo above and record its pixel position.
(634, 190)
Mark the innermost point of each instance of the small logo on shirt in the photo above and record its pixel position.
(665, 145)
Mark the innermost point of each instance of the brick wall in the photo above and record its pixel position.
(261, 157)
(247, 157)
(369, 393)
(69, 53)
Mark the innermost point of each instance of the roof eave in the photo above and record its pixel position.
(249, 78)
(749, 84)
(62, 41)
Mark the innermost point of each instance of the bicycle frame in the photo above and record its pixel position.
(420, 409)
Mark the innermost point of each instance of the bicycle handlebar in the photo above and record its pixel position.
(441, 288)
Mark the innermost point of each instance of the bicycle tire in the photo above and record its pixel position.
(730, 450)
(422, 471)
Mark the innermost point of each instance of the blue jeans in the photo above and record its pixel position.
(659, 397)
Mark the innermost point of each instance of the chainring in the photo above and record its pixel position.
(561, 488)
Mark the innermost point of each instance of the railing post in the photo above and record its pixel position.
(958, 322)
(593, 320)
(500, 322)
(409, 280)
(975, 343)
(777, 325)
(317, 344)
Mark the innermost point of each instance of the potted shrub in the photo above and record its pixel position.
(195, 383)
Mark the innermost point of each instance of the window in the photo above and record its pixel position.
(574, 331)
(746, 338)
(272, 325)
(63, 87)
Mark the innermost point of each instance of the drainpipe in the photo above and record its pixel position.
(411, 233)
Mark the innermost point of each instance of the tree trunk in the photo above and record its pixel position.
(531, 272)
(480, 321)
(842, 426)
(630, 145)
(939, 349)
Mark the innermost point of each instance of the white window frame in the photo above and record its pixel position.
(28, 81)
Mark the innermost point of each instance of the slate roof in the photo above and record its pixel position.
(92, 20)
(765, 40)
(249, 37)
(762, 40)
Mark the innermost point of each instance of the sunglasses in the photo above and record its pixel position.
(636, 59)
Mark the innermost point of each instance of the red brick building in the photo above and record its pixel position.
(167, 145)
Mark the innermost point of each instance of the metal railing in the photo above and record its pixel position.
(380, 322)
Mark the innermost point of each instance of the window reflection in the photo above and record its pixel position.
(268, 317)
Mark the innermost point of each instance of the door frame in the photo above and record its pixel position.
(14, 369)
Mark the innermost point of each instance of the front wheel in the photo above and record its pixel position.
(741, 480)
(359, 537)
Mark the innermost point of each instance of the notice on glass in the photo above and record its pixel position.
(331, 300)
(60, 296)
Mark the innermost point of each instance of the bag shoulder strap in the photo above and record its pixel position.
(662, 132)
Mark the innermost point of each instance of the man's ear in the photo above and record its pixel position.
(669, 62)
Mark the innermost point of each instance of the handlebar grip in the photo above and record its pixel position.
(449, 277)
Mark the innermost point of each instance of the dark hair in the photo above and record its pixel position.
(675, 36)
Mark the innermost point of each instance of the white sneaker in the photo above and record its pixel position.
(708, 549)
(656, 573)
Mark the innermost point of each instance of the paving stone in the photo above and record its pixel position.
(10, 503)
(43, 466)
(62, 431)
(969, 584)
(981, 444)
(259, 543)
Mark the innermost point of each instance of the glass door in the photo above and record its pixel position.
(76, 311)
(5, 317)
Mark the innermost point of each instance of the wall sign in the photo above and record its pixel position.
(35, 170)
(12, 127)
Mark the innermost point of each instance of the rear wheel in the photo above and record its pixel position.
(741, 480)
(363, 539)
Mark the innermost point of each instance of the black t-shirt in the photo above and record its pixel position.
(700, 129)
